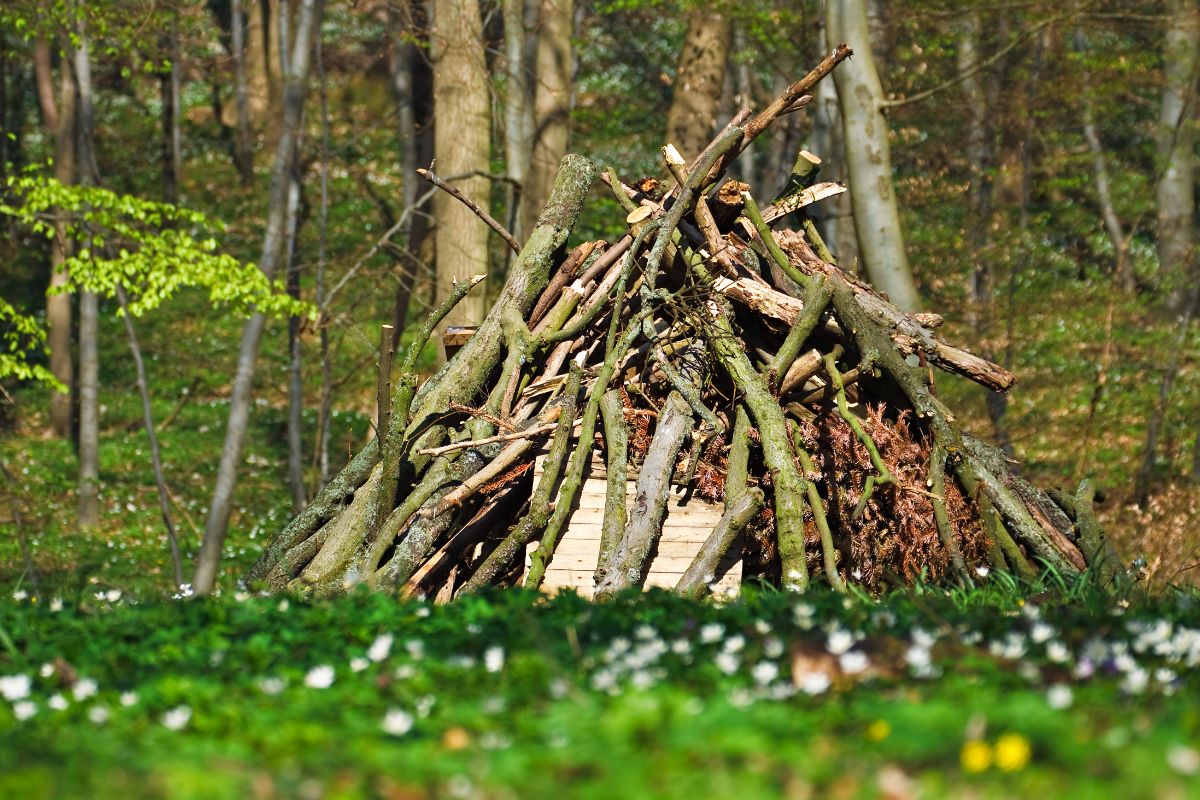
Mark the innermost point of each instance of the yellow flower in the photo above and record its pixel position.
(878, 730)
(976, 756)
(1012, 752)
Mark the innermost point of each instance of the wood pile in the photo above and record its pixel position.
(705, 351)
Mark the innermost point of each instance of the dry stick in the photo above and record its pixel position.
(937, 487)
(816, 301)
(789, 486)
(702, 571)
(395, 437)
(805, 367)
(885, 476)
(828, 554)
(781, 105)
(583, 254)
(973, 477)
(626, 568)
(529, 433)
(772, 247)
(616, 448)
(383, 380)
(583, 454)
(491, 221)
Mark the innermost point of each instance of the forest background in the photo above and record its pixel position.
(1042, 163)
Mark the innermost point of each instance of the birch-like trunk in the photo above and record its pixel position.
(89, 304)
(243, 147)
(518, 117)
(296, 86)
(551, 105)
(1175, 193)
(869, 158)
(461, 105)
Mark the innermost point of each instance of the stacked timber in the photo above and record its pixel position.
(715, 355)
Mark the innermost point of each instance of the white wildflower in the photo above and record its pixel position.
(98, 714)
(271, 686)
(397, 722)
(112, 595)
(493, 659)
(83, 689)
(1059, 696)
(711, 632)
(1041, 633)
(381, 647)
(982, 571)
(1058, 653)
(24, 709)
(57, 702)
(56, 604)
(177, 718)
(1135, 681)
(734, 644)
(319, 677)
(764, 672)
(19, 595)
(46, 670)
(726, 662)
(1184, 760)
(772, 647)
(424, 705)
(813, 683)
(15, 687)
(358, 664)
(604, 680)
(853, 662)
(839, 641)
(128, 698)
(415, 648)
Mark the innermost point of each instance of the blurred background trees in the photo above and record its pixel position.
(1040, 194)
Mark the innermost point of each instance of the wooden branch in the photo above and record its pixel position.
(491, 221)
(702, 571)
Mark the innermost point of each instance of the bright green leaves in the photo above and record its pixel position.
(149, 249)
(19, 337)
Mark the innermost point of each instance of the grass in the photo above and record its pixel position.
(649, 696)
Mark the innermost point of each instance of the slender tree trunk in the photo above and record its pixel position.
(89, 304)
(980, 154)
(518, 119)
(60, 122)
(835, 216)
(217, 524)
(295, 417)
(868, 156)
(1175, 193)
(160, 481)
(551, 105)
(168, 81)
(243, 147)
(411, 86)
(699, 79)
(461, 145)
(743, 80)
(321, 450)
(258, 83)
(1122, 267)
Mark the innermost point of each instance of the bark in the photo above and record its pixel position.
(169, 94)
(699, 77)
(980, 152)
(518, 117)
(551, 104)
(89, 304)
(1175, 192)
(616, 447)
(868, 157)
(221, 506)
(257, 58)
(835, 219)
(243, 147)
(295, 415)
(59, 120)
(160, 481)
(461, 146)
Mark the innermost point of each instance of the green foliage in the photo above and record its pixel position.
(150, 250)
(646, 696)
(23, 336)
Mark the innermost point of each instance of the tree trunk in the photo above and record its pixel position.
(868, 156)
(89, 304)
(258, 82)
(243, 147)
(551, 104)
(835, 217)
(168, 82)
(217, 524)
(518, 119)
(295, 416)
(1175, 193)
(461, 105)
(696, 96)
(60, 123)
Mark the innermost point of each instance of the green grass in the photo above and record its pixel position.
(648, 696)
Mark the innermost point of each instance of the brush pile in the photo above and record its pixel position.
(704, 350)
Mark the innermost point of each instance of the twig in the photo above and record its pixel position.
(491, 221)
